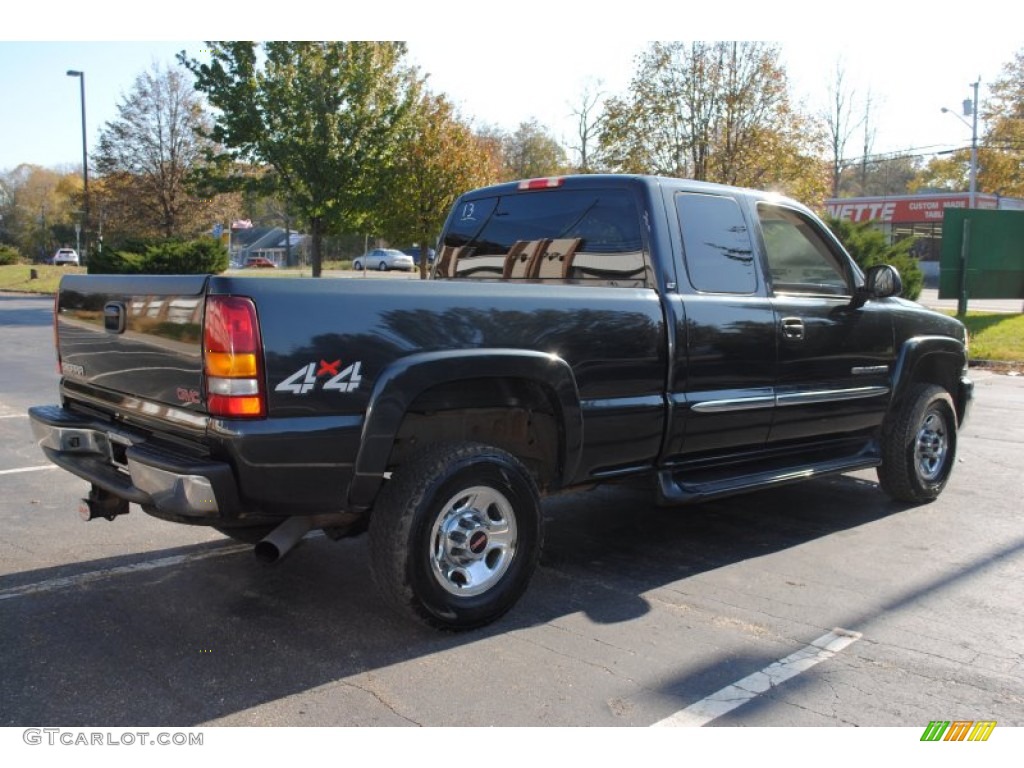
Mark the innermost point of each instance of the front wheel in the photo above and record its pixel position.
(919, 446)
(455, 535)
(382, 267)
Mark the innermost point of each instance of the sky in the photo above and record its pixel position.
(506, 63)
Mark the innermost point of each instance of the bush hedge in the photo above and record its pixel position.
(170, 257)
(9, 255)
(869, 247)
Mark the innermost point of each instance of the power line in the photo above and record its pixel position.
(928, 151)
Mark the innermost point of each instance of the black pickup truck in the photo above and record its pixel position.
(577, 330)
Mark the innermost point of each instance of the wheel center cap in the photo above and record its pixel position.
(478, 542)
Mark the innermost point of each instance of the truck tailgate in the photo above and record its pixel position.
(134, 335)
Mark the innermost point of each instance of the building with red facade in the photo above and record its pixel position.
(901, 216)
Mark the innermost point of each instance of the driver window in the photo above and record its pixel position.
(799, 259)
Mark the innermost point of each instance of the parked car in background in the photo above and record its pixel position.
(66, 257)
(259, 262)
(415, 254)
(384, 259)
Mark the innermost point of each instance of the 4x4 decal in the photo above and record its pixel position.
(306, 378)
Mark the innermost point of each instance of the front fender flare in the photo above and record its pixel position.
(914, 352)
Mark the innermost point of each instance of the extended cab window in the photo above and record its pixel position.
(799, 258)
(718, 253)
(563, 234)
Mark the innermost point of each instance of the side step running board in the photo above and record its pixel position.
(674, 490)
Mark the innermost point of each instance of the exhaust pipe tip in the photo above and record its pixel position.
(280, 541)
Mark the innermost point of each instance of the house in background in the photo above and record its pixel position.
(283, 247)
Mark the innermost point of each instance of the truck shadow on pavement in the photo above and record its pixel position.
(192, 644)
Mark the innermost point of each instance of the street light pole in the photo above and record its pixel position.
(971, 110)
(85, 164)
(974, 143)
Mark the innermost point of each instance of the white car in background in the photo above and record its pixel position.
(384, 259)
(66, 257)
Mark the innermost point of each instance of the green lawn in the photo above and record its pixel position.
(995, 336)
(17, 277)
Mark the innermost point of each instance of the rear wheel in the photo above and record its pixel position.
(455, 536)
(357, 265)
(919, 446)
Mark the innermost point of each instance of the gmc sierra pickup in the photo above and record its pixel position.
(577, 330)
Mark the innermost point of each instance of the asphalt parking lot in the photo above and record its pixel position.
(883, 615)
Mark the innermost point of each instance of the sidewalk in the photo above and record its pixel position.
(930, 298)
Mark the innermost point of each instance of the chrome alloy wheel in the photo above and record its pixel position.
(931, 446)
(473, 541)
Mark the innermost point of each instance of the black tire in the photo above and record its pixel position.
(455, 535)
(919, 446)
(382, 267)
(357, 265)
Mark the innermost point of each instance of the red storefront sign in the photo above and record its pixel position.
(906, 210)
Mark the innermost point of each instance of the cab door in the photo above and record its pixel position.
(834, 356)
(723, 380)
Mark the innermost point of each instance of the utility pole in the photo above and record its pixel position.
(974, 140)
(85, 164)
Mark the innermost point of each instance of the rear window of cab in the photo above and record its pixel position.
(557, 234)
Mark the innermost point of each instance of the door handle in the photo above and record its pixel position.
(793, 328)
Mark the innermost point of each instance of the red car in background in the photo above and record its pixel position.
(259, 262)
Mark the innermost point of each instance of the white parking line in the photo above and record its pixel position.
(52, 585)
(13, 415)
(739, 693)
(27, 469)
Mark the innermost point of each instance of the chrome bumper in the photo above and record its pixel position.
(125, 465)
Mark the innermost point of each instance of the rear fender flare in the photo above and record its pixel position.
(402, 382)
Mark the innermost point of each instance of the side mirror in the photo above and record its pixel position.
(880, 282)
(883, 281)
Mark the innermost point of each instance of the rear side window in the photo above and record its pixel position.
(716, 244)
(575, 235)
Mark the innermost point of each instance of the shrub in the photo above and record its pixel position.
(193, 257)
(111, 262)
(9, 255)
(869, 247)
(171, 257)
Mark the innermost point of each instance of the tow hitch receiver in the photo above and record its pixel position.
(101, 503)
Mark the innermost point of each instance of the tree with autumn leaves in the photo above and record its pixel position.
(715, 111)
(323, 118)
(39, 208)
(440, 159)
(1002, 157)
(1000, 146)
(348, 134)
(147, 156)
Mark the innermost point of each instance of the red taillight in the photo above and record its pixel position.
(232, 358)
(549, 183)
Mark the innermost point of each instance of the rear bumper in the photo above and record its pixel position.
(125, 465)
